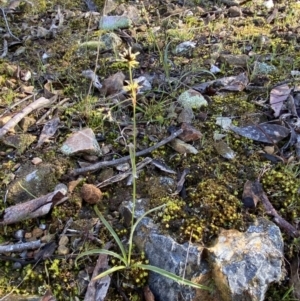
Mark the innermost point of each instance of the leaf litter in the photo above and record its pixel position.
(166, 77)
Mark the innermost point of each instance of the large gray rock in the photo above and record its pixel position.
(162, 251)
(32, 181)
(244, 264)
(241, 264)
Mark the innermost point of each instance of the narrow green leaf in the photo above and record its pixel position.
(113, 233)
(171, 276)
(101, 251)
(109, 271)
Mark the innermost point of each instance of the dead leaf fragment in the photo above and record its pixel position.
(278, 95)
(48, 131)
(266, 132)
(249, 198)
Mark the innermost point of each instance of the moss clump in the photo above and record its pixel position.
(281, 186)
(212, 206)
(173, 214)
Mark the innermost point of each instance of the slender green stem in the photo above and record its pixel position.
(133, 164)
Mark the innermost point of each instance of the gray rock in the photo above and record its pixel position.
(191, 99)
(162, 251)
(141, 206)
(81, 142)
(114, 22)
(20, 141)
(244, 264)
(111, 40)
(235, 11)
(32, 181)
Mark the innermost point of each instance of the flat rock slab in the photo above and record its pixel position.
(81, 142)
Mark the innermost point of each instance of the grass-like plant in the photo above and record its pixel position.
(126, 253)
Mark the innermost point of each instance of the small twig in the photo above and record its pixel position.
(19, 247)
(17, 103)
(5, 49)
(7, 26)
(42, 101)
(99, 165)
(270, 210)
(123, 175)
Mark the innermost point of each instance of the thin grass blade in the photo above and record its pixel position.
(113, 233)
(172, 276)
(110, 271)
(101, 251)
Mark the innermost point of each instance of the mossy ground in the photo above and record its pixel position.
(214, 184)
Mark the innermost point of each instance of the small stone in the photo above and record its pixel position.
(28, 235)
(186, 115)
(189, 133)
(63, 241)
(105, 174)
(36, 161)
(83, 141)
(43, 226)
(19, 141)
(123, 167)
(238, 60)
(114, 22)
(182, 147)
(63, 250)
(37, 232)
(192, 99)
(90, 158)
(17, 265)
(235, 11)
(47, 238)
(91, 194)
(26, 123)
(19, 234)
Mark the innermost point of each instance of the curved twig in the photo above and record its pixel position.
(99, 165)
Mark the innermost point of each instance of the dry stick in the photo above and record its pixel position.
(123, 175)
(17, 103)
(7, 26)
(270, 210)
(42, 101)
(5, 49)
(19, 247)
(99, 165)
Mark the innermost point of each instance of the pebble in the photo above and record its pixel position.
(63, 241)
(63, 250)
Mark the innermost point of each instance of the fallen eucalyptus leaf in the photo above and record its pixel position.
(49, 130)
(278, 95)
(266, 132)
